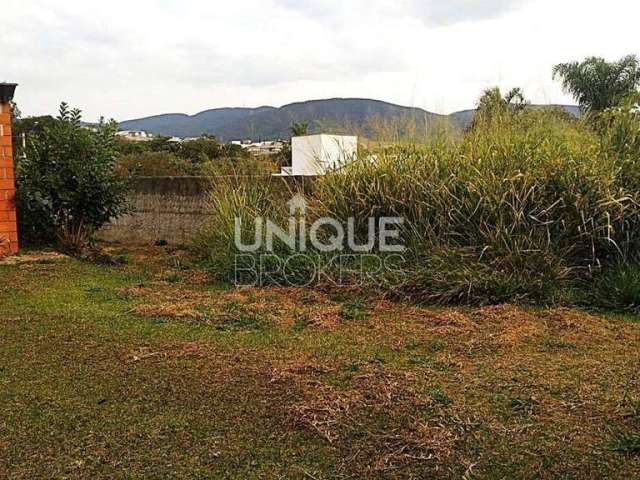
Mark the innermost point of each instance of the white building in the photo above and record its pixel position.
(316, 154)
(135, 135)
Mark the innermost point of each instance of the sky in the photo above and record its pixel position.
(129, 59)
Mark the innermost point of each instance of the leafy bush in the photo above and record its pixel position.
(67, 185)
(156, 164)
(202, 156)
(196, 151)
(208, 148)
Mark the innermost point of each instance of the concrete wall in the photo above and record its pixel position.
(173, 208)
(163, 208)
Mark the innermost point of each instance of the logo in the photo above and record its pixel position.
(299, 252)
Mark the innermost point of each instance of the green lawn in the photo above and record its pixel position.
(150, 370)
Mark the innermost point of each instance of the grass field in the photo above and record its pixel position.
(151, 370)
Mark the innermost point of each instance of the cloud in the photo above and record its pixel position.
(130, 59)
(432, 12)
(438, 12)
(313, 8)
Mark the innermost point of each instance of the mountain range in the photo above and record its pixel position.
(268, 123)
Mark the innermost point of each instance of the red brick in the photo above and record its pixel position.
(7, 227)
(8, 243)
(8, 156)
(7, 216)
(10, 236)
(6, 184)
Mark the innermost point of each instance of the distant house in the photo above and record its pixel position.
(313, 155)
(260, 148)
(135, 135)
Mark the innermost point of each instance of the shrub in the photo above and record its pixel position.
(195, 151)
(67, 185)
(203, 149)
(156, 164)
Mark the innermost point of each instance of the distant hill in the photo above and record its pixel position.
(353, 114)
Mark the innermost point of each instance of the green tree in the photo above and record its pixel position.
(197, 151)
(67, 184)
(494, 106)
(200, 150)
(25, 128)
(492, 100)
(597, 84)
(299, 129)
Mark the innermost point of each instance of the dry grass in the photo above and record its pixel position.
(33, 257)
(110, 371)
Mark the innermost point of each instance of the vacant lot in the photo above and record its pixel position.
(151, 370)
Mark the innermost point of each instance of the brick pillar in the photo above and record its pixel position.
(8, 224)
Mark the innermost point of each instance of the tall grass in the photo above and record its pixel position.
(247, 198)
(521, 207)
(231, 197)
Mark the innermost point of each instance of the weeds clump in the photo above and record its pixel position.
(617, 288)
(525, 405)
(244, 199)
(627, 443)
(521, 204)
(524, 206)
(235, 316)
(554, 344)
(353, 310)
(440, 397)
